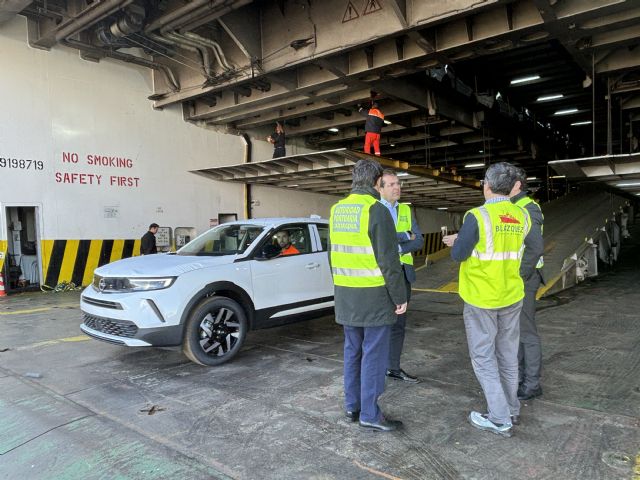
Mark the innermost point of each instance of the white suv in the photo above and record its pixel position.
(207, 295)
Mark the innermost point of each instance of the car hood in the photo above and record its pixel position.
(160, 265)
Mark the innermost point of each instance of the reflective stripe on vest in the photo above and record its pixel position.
(523, 202)
(374, 112)
(404, 225)
(490, 277)
(353, 262)
(489, 253)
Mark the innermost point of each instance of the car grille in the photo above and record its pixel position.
(119, 328)
(102, 303)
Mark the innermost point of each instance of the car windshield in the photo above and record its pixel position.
(223, 240)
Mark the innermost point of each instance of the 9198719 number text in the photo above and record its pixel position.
(21, 164)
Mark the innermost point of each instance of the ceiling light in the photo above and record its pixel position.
(387, 122)
(474, 165)
(392, 144)
(632, 184)
(566, 112)
(532, 178)
(480, 151)
(529, 78)
(443, 208)
(403, 174)
(586, 122)
(558, 176)
(291, 186)
(546, 98)
(334, 130)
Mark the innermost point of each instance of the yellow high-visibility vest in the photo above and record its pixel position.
(404, 225)
(353, 263)
(490, 277)
(522, 203)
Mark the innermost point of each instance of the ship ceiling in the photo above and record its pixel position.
(443, 72)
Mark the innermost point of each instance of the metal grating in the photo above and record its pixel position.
(329, 172)
(119, 328)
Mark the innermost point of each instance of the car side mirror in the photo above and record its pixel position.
(269, 251)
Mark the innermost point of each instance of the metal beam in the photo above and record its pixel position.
(312, 125)
(243, 27)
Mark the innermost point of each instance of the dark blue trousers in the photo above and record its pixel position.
(366, 355)
(397, 335)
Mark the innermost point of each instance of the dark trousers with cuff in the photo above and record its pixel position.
(366, 354)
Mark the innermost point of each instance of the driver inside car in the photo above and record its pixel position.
(282, 237)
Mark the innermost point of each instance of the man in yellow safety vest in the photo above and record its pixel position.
(410, 239)
(530, 351)
(369, 292)
(490, 246)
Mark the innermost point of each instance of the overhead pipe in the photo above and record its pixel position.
(125, 57)
(203, 16)
(89, 16)
(215, 46)
(175, 16)
(247, 187)
(193, 46)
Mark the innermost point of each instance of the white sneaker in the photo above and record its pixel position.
(482, 422)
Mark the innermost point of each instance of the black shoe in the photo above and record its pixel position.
(515, 419)
(524, 394)
(402, 375)
(352, 416)
(382, 425)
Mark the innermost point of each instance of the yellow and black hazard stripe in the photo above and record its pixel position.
(3, 253)
(73, 261)
(432, 244)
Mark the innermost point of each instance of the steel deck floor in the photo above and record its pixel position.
(275, 412)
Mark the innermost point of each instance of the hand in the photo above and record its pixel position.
(449, 240)
(400, 309)
(412, 236)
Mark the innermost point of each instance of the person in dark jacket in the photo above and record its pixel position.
(530, 351)
(148, 241)
(277, 139)
(372, 127)
(369, 292)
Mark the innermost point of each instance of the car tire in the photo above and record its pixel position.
(215, 331)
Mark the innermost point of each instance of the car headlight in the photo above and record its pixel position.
(127, 284)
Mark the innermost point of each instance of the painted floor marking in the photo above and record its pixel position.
(46, 343)
(40, 309)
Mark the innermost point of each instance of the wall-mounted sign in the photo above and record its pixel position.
(163, 237)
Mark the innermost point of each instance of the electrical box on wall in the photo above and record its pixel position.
(184, 235)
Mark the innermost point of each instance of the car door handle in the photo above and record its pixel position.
(311, 266)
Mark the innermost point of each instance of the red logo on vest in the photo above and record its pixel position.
(508, 219)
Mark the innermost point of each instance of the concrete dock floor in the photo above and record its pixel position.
(75, 408)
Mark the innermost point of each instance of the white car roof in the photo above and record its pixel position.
(278, 221)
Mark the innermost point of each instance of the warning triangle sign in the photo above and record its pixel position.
(350, 13)
(372, 6)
